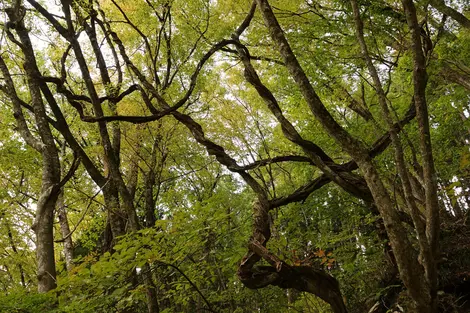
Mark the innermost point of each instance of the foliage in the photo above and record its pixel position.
(194, 175)
(21, 302)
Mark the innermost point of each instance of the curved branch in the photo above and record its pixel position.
(278, 159)
(209, 307)
(378, 147)
(302, 278)
(454, 14)
(350, 182)
(10, 90)
(83, 215)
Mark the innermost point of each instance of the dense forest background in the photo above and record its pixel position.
(235, 156)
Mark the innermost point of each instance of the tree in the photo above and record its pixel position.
(280, 96)
(51, 184)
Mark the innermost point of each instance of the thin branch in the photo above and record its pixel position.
(83, 215)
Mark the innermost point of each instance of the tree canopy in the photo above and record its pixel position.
(235, 156)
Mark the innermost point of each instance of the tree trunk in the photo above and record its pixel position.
(43, 228)
(116, 217)
(15, 250)
(411, 271)
(429, 172)
(151, 290)
(43, 223)
(65, 231)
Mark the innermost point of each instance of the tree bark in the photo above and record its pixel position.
(302, 278)
(116, 217)
(43, 228)
(429, 172)
(65, 231)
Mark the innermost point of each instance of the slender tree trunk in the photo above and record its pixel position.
(43, 228)
(65, 231)
(429, 172)
(426, 253)
(45, 248)
(43, 223)
(151, 290)
(15, 250)
(150, 220)
(116, 217)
